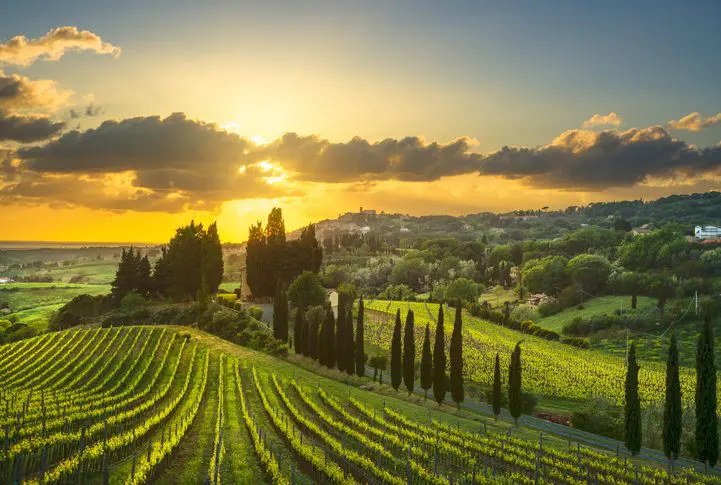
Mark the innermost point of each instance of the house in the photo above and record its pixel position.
(707, 232)
(642, 230)
(405, 229)
(4, 280)
(537, 299)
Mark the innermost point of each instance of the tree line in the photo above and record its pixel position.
(706, 430)
(190, 266)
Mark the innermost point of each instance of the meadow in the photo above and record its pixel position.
(175, 405)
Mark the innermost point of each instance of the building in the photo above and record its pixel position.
(702, 233)
(642, 230)
(537, 299)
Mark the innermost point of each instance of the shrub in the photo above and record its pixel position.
(256, 312)
(549, 307)
(525, 312)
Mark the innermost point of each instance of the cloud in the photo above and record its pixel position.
(408, 159)
(611, 118)
(27, 128)
(22, 51)
(19, 92)
(694, 122)
(89, 111)
(586, 160)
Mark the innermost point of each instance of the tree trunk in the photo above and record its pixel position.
(425, 395)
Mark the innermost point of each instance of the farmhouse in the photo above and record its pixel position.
(537, 299)
(703, 233)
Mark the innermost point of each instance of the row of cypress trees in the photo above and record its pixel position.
(333, 343)
(706, 432)
(433, 364)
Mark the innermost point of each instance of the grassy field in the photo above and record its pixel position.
(188, 397)
(603, 305)
(497, 300)
(32, 303)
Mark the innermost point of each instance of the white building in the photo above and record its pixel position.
(707, 232)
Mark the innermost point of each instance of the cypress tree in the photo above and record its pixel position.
(329, 341)
(349, 347)
(396, 376)
(305, 333)
(298, 331)
(497, 388)
(672, 411)
(456, 354)
(426, 364)
(633, 404)
(706, 420)
(340, 339)
(439, 360)
(280, 314)
(409, 353)
(514, 383)
(313, 341)
(360, 358)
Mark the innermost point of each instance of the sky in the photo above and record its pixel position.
(120, 121)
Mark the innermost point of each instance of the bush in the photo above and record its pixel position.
(525, 312)
(581, 343)
(549, 307)
(600, 417)
(306, 290)
(256, 312)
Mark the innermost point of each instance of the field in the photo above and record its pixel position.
(603, 305)
(550, 369)
(497, 300)
(174, 405)
(32, 303)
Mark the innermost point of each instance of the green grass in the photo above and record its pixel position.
(32, 303)
(603, 305)
(496, 301)
(229, 285)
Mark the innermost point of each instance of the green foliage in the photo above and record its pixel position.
(599, 416)
(673, 412)
(306, 290)
(399, 292)
(360, 356)
(299, 331)
(396, 362)
(256, 312)
(632, 410)
(706, 418)
(496, 392)
(439, 359)
(661, 248)
(280, 314)
(546, 275)
(350, 346)
(410, 271)
(132, 301)
(525, 312)
(514, 383)
(590, 272)
(456, 358)
(409, 353)
(426, 363)
(462, 289)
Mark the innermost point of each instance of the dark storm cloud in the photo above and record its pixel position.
(586, 160)
(143, 143)
(27, 129)
(408, 159)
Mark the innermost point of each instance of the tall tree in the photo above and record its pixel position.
(396, 374)
(360, 358)
(672, 411)
(426, 364)
(329, 350)
(706, 419)
(349, 348)
(514, 384)
(340, 339)
(633, 404)
(144, 282)
(184, 253)
(255, 259)
(280, 314)
(313, 334)
(409, 353)
(125, 276)
(456, 354)
(496, 398)
(276, 248)
(212, 258)
(439, 360)
(298, 331)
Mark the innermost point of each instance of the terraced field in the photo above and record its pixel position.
(172, 405)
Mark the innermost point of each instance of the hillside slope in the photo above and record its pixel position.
(175, 405)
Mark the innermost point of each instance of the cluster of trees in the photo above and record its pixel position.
(133, 274)
(331, 341)
(270, 258)
(191, 265)
(706, 431)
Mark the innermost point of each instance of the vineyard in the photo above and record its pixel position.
(549, 368)
(171, 405)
